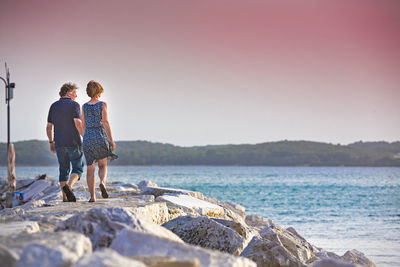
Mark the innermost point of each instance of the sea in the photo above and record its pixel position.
(336, 208)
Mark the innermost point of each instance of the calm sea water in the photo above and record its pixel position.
(335, 208)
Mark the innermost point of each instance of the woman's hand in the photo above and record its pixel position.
(113, 146)
(52, 147)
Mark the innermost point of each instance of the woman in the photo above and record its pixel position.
(98, 143)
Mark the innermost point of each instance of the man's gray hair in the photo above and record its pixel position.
(67, 87)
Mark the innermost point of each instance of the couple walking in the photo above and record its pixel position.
(68, 122)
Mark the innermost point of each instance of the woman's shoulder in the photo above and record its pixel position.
(92, 104)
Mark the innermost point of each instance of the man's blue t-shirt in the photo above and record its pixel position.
(61, 115)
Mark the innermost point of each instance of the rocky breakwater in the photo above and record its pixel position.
(147, 225)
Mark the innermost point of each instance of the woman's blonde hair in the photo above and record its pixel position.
(94, 88)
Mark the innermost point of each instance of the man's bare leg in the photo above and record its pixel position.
(63, 194)
(73, 178)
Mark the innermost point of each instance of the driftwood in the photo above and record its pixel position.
(12, 181)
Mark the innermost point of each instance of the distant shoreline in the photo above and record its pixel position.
(272, 154)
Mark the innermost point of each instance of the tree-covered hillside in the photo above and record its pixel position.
(284, 153)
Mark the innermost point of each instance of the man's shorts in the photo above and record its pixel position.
(67, 156)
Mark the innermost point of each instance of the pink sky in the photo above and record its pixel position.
(211, 72)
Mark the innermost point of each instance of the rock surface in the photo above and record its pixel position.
(268, 253)
(101, 225)
(45, 231)
(13, 228)
(107, 258)
(159, 191)
(295, 244)
(7, 256)
(57, 249)
(357, 257)
(207, 233)
(133, 243)
(332, 263)
(191, 204)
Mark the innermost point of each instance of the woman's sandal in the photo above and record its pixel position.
(92, 200)
(104, 193)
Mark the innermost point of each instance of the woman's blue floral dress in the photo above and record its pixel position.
(96, 144)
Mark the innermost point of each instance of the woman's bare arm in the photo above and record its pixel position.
(106, 125)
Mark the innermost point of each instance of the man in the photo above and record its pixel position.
(64, 116)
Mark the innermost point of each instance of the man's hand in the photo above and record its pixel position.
(52, 148)
(113, 146)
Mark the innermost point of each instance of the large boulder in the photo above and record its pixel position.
(231, 206)
(145, 183)
(191, 205)
(159, 191)
(166, 261)
(56, 249)
(291, 240)
(133, 243)
(351, 258)
(107, 258)
(357, 257)
(35, 190)
(257, 222)
(332, 263)
(18, 227)
(268, 253)
(155, 212)
(208, 233)
(7, 256)
(101, 225)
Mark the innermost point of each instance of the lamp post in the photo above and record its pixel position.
(9, 95)
(10, 148)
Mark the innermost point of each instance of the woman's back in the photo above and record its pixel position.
(92, 113)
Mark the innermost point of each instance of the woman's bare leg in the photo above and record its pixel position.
(103, 170)
(90, 180)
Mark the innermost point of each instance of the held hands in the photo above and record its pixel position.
(113, 146)
(52, 148)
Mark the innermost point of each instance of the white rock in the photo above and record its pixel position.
(102, 224)
(357, 257)
(159, 191)
(192, 204)
(33, 204)
(34, 190)
(14, 228)
(146, 183)
(268, 253)
(298, 247)
(7, 256)
(107, 258)
(60, 249)
(207, 233)
(332, 263)
(149, 198)
(165, 261)
(133, 243)
(236, 206)
(231, 209)
(155, 212)
(258, 222)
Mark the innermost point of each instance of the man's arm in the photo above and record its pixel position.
(49, 131)
(79, 126)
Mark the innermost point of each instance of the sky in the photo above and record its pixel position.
(209, 72)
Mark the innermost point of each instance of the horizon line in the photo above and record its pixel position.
(226, 144)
